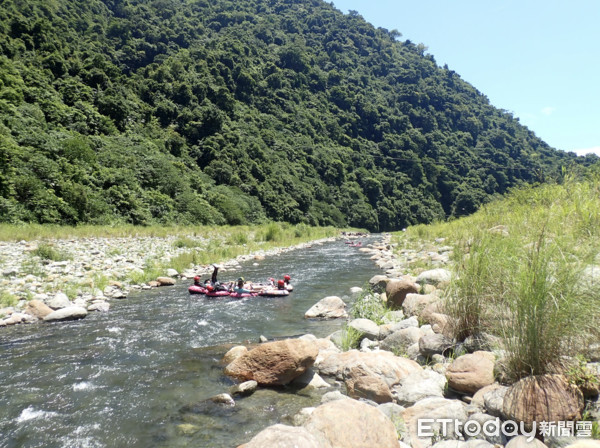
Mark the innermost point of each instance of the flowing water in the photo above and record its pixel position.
(139, 375)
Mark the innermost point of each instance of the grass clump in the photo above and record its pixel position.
(520, 273)
(350, 338)
(369, 305)
(47, 252)
(7, 300)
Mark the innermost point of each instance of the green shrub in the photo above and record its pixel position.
(47, 252)
(369, 306)
(350, 338)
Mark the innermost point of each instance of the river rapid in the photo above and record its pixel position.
(138, 375)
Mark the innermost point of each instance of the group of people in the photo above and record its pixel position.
(240, 286)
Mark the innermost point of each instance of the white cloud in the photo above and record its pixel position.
(583, 152)
(548, 110)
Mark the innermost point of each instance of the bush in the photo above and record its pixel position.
(47, 252)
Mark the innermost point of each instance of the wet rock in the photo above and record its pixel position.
(166, 281)
(223, 399)
(234, 353)
(331, 307)
(101, 306)
(244, 389)
(38, 309)
(68, 313)
(274, 363)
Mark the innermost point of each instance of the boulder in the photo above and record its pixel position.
(433, 409)
(311, 379)
(419, 385)
(469, 373)
(379, 282)
(548, 398)
(388, 329)
(331, 307)
(433, 343)
(38, 309)
(381, 364)
(60, 300)
(274, 363)
(437, 277)
(166, 281)
(397, 290)
(361, 426)
(360, 383)
(366, 327)
(245, 388)
(414, 304)
(99, 306)
(234, 353)
(172, 273)
(493, 400)
(399, 341)
(68, 313)
(282, 436)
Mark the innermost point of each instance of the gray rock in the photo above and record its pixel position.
(366, 327)
(436, 277)
(332, 396)
(223, 399)
(172, 273)
(388, 329)
(331, 307)
(68, 313)
(419, 385)
(431, 344)
(521, 442)
(493, 401)
(99, 306)
(399, 341)
(482, 421)
(60, 300)
(244, 389)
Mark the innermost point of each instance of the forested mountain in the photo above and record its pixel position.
(234, 111)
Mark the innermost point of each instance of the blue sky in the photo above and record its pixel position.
(539, 59)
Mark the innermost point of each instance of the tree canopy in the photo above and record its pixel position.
(223, 112)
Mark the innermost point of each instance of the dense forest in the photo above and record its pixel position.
(229, 112)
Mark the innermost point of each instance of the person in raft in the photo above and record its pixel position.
(240, 287)
(280, 284)
(288, 285)
(198, 281)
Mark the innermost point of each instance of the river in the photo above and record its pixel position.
(133, 376)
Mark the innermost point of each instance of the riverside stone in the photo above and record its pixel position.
(469, 373)
(274, 363)
(437, 277)
(60, 300)
(331, 307)
(433, 343)
(399, 341)
(68, 313)
(548, 398)
(166, 281)
(417, 386)
(38, 309)
(234, 353)
(397, 291)
(282, 436)
(362, 425)
(245, 388)
(366, 327)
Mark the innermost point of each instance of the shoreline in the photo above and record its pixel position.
(98, 270)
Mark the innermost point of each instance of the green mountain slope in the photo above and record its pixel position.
(221, 111)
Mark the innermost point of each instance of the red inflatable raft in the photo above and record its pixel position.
(195, 289)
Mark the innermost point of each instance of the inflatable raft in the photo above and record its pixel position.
(195, 289)
(218, 293)
(274, 293)
(242, 295)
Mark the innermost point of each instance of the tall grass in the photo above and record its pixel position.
(524, 282)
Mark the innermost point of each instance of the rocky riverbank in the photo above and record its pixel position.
(93, 273)
(410, 383)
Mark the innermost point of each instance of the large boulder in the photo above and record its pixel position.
(331, 307)
(437, 277)
(38, 309)
(547, 398)
(274, 363)
(373, 388)
(397, 290)
(351, 424)
(68, 313)
(382, 364)
(282, 436)
(233, 353)
(469, 373)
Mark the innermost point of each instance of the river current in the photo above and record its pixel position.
(139, 375)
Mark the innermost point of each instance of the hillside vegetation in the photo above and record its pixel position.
(527, 270)
(228, 112)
